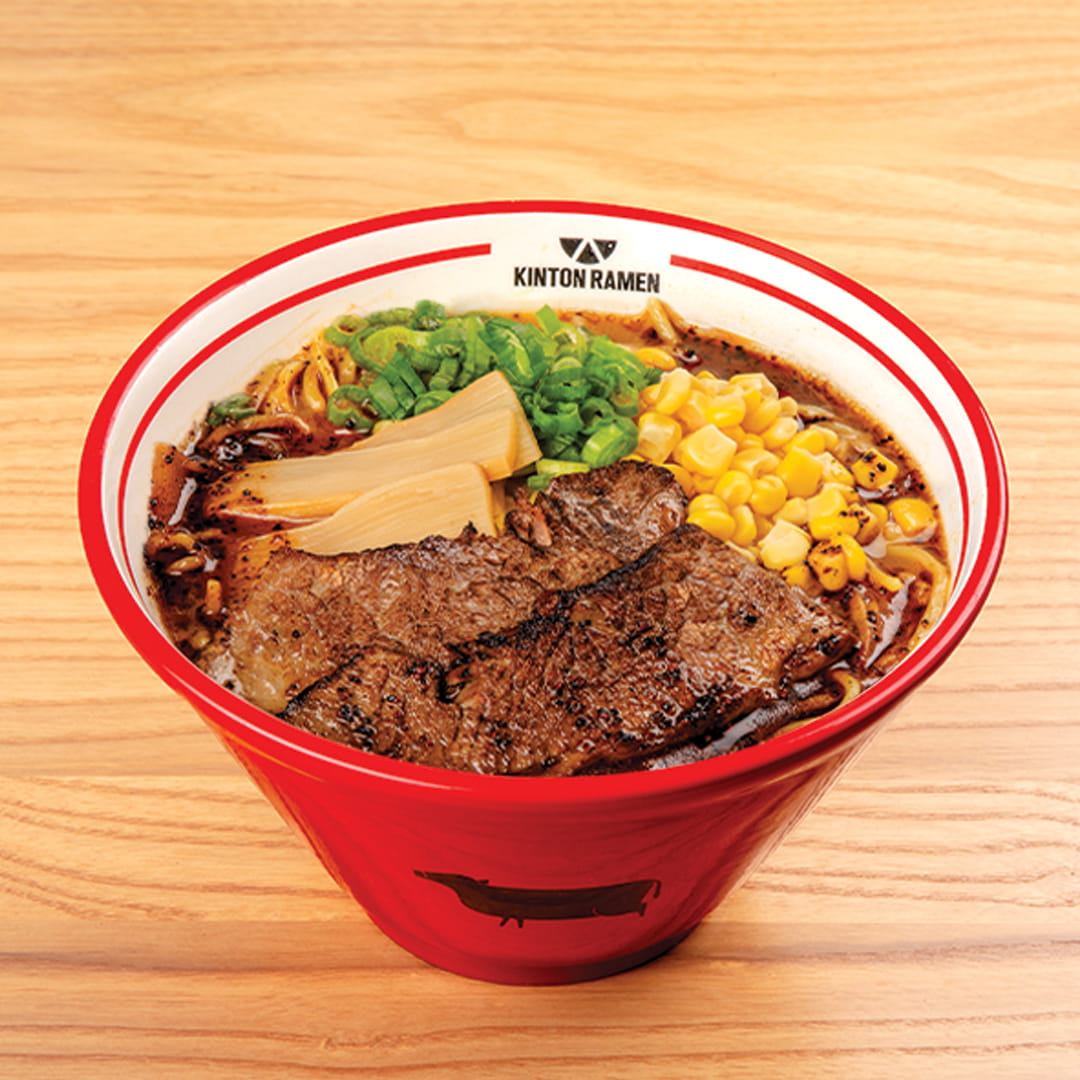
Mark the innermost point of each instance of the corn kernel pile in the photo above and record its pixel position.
(777, 489)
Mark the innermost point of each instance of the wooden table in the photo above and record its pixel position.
(158, 920)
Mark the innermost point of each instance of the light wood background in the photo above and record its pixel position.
(156, 918)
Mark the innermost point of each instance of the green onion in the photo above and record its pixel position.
(402, 376)
(512, 358)
(608, 443)
(477, 358)
(446, 374)
(234, 407)
(548, 468)
(360, 357)
(428, 315)
(380, 347)
(549, 321)
(384, 400)
(400, 316)
(341, 331)
(342, 408)
(432, 399)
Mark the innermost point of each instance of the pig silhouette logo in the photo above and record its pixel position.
(516, 905)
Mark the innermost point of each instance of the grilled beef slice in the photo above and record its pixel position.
(681, 642)
(305, 613)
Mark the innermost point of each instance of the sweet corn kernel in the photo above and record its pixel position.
(810, 439)
(768, 496)
(827, 560)
(879, 511)
(835, 471)
(868, 526)
(734, 487)
(748, 381)
(725, 410)
(854, 557)
(801, 471)
(783, 545)
(712, 516)
(751, 395)
(825, 502)
(789, 406)
(656, 358)
(847, 491)
(702, 485)
(832, 438)
(795, 511)
(829, 525)
(705, 501)
(692, 415)
(873, 471)
(755, 461)
(686, 480)
(914, 516)
(658, 435)
(675, 390)
(763, 524)
(718, 523)
(763, 416)
(707, 450)
(781, 431)
(751, 442)
(800, 576)
(647, 397)
(745, 526)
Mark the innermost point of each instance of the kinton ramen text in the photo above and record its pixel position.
(577, 277)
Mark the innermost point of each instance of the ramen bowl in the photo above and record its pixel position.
(541, 879)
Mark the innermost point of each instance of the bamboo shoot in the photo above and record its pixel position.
(437, 503)
(490, 393)
(300, 489)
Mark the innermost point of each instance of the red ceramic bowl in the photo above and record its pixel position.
(540, 880)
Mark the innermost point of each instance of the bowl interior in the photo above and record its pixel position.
(519, 256)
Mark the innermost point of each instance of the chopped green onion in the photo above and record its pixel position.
(384, 399)
(341, 331)
(234, 407)
(401, 375)
(595, 411)
(548, 468)
(477, 357)
(564, 419)
(356, 350)
(447, 373)
(558, 466)
(384, 344)
(512, 358)
(548, 320)
(607, 444)
(400, 316)
(342, 408)
(567, 380)
(428, 315)
(432, 399)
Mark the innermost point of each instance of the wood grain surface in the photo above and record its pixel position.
(157, 919)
